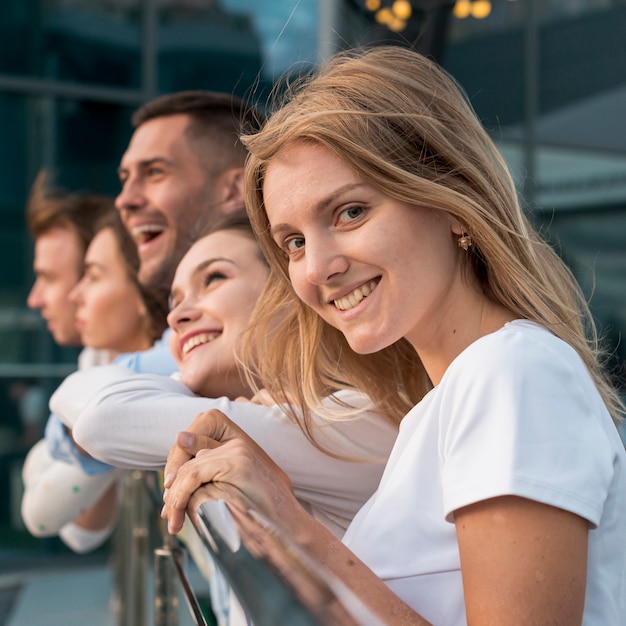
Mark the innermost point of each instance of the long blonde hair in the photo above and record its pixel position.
(403, 124)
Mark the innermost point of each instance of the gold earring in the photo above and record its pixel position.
(465, 241)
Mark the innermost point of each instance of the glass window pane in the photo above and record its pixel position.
(235, 45)
(72, 40)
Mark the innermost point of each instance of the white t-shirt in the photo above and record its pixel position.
(515, 414)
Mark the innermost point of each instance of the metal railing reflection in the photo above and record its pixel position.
(275, 582)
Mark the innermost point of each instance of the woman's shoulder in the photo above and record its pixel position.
(517, 343)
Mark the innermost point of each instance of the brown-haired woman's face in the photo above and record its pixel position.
(110, 313)
(215, 289)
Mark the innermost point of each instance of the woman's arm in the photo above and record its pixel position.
(228, 464)
(132, 422)
(522, 562)
(58, 493)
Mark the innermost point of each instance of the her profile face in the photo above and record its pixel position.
(215, 289)
(376, 268)
(110, 313)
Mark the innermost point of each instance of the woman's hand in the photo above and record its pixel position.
(214, 450)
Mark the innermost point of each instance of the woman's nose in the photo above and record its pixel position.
(323, 261)
(75, 295)
(183, 313)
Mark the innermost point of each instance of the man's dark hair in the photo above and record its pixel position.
(216, 119)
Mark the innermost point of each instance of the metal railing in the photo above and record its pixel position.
(144, 553)
(274, 580)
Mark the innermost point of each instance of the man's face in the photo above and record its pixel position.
(166, 190)
(57, 266)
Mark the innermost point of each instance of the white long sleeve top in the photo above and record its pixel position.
(131, 421)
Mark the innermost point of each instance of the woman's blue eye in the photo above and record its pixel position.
(350, 214)
(294, 244)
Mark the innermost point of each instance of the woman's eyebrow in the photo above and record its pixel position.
(322, 204)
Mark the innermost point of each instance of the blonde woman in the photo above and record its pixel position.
(393, 225)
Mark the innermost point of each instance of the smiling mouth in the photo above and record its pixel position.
(359, 294)
(197, 340)
(146, 233)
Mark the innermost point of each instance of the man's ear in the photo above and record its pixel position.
(231, 184)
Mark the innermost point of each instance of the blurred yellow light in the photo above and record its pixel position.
(372, 5)
(402, 9)
(462, 9)
(481, 9)
(396, 24)
(384, 16)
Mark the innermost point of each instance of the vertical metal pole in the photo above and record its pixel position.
(131, 558)
(166, 604)
(531, 102)
(140, 510)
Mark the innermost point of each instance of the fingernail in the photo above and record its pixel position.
(185, 439)
(164, 511)
(165, 492)
(168, 480)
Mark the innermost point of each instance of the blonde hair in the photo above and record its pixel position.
(403, 124)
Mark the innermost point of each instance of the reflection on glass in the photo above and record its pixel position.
(72, 40)
(238, 46)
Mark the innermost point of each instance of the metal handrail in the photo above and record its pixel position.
(275, 581)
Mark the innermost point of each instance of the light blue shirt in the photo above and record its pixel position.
(156, 360)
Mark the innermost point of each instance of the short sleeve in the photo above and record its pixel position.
(521, 416)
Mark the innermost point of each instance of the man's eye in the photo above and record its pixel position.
(347, 215)
(294, 244)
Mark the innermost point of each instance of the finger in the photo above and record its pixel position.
(192, 444)
(215, 425)
(190, 476)
(263, 397)
(210, 426)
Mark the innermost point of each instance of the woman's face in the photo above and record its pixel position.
(376, 268)
(110, 313)
(214, 291)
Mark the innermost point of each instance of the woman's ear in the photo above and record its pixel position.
(456, 228)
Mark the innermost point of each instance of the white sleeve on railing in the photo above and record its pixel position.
(133, 422)
(77, 389)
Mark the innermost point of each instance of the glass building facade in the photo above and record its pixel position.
(546, 77)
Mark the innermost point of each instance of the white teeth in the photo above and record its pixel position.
(142, 233)
(197, 340)
(147, 228)
(352, 299)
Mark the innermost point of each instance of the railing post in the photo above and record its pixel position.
(130, 557)
(166, 604)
